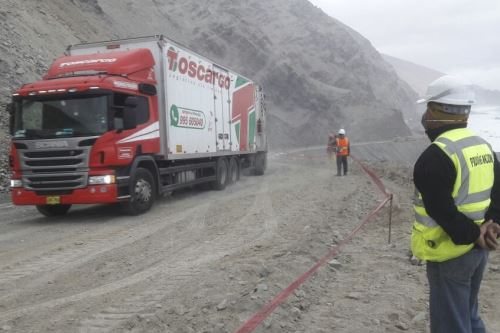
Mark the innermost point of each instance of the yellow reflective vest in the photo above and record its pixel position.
(473, 160)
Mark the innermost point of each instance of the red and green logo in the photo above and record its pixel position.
(187, 118)
(196, 70)
(243, 113)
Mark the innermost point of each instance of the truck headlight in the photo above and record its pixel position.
(16, 183)
(102, 180)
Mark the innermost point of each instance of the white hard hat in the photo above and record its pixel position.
(451, 90)
(342, 131)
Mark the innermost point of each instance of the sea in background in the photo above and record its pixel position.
(485, 121)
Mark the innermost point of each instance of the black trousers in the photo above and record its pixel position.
(341, 162)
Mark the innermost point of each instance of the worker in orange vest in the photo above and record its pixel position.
(343, 149)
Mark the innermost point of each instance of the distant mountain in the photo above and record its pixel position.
(487, 97)
(418, 77)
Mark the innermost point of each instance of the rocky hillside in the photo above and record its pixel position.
(318, 73)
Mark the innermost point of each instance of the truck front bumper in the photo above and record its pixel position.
(96, 194)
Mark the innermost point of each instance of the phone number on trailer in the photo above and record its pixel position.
(191, 121)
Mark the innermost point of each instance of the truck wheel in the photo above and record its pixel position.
(221, 173)
(234, 170)
(143, 193)
(260, 163)
(53, 210)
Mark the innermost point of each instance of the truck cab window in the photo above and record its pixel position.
(60, 116)
(142, 109)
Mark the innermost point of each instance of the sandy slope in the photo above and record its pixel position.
(205, 261)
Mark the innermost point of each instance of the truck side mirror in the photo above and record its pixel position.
(147, 89)
(129, 113)
(10, 110)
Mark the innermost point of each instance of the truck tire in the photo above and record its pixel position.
(53, 210)
(221, 172)
(234, 170)
(260, 163)
(142, 193)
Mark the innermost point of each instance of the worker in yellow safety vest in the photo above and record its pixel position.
(343, 150)
(457, 181)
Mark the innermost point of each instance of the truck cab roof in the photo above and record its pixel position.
(136, 63)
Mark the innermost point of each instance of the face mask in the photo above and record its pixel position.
(424, 122)
(434, 119)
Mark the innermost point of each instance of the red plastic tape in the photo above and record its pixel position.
(373, 176)
(263, 313)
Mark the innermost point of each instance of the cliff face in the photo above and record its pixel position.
(318, 74)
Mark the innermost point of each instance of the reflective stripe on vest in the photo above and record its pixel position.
(473, 159)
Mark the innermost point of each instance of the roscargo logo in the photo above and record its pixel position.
(88, 61)
(51, 144)
(195, 70)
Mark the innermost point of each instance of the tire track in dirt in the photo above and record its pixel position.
(57, 260)
(109, 287)
(48, 265)
(6, 206)
(218, 247)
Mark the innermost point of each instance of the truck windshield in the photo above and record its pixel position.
(61, 117)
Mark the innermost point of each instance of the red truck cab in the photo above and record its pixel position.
(69, 128)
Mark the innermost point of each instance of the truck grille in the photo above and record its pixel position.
(57, 153)
(63, 181)
(55, 169)
(65, 162)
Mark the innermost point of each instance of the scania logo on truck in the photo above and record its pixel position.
(51, 144)
(195, 70)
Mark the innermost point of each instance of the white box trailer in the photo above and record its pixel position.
(205, 109)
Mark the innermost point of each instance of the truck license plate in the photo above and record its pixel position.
(53, 200)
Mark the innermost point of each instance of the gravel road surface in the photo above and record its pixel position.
(205, 261)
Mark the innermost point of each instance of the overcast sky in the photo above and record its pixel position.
(451, 36)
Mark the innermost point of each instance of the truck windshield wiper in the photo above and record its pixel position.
(35, 134)
(65, 132)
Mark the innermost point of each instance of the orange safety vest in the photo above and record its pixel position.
(342, 146)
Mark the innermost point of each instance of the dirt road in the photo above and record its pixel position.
(205, 261)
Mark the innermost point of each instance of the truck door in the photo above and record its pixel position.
(222, 108)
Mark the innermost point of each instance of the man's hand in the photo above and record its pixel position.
(484, 241)
(491, 236)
